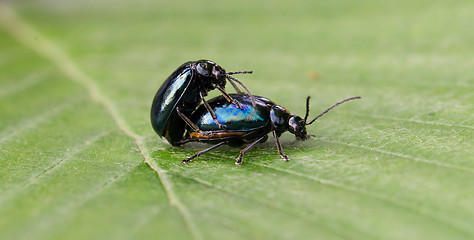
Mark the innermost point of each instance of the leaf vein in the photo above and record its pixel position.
(219, 188)
(44, 47)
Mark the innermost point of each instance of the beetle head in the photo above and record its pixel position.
(297, 126)
(214, 74)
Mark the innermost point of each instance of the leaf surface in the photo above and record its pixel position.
(79, 159)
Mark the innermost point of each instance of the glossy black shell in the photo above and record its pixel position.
(181, 89)
(168, 96)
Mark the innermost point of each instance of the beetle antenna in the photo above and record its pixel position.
(333, 106)
(240, 72)
(233, 84)
(246, 89)
(237, 89)
(307, 108)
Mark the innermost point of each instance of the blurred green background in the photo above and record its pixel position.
(79, 159)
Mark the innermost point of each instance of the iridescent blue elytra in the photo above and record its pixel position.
(236, 119)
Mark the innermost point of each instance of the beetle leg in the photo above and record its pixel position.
(213, 115)
(229, 98)
(187, 121)
(189, 159)
(286, 158)
(241, 155)
(179, 143)
(235, 87)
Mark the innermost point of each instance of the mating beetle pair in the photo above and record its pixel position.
(183, 91)
(232, 119)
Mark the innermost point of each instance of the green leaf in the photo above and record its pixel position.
(79, 159)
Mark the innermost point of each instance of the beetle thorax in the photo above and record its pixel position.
(210, 74)
(279, 117)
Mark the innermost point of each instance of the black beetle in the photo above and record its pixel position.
(247, 125)
(182, 92)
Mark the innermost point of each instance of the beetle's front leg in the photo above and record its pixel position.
(228, 97)
(191, 125)
(213, 115)
(280, 151)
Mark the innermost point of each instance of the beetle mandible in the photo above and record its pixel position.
(249, 124)
(183, 91)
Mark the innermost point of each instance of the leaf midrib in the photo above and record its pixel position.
(25, 34)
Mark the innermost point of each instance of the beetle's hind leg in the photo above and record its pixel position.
(189, 159)
(250, 146)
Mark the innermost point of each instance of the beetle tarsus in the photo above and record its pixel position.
(239, 159)
(186, 161)
(286, 158)
(237, 104)
(221, 126)
(228, 97)
(189, 159)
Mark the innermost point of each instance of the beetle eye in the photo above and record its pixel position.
(292, 125)
(202, 69)
(217, 72)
